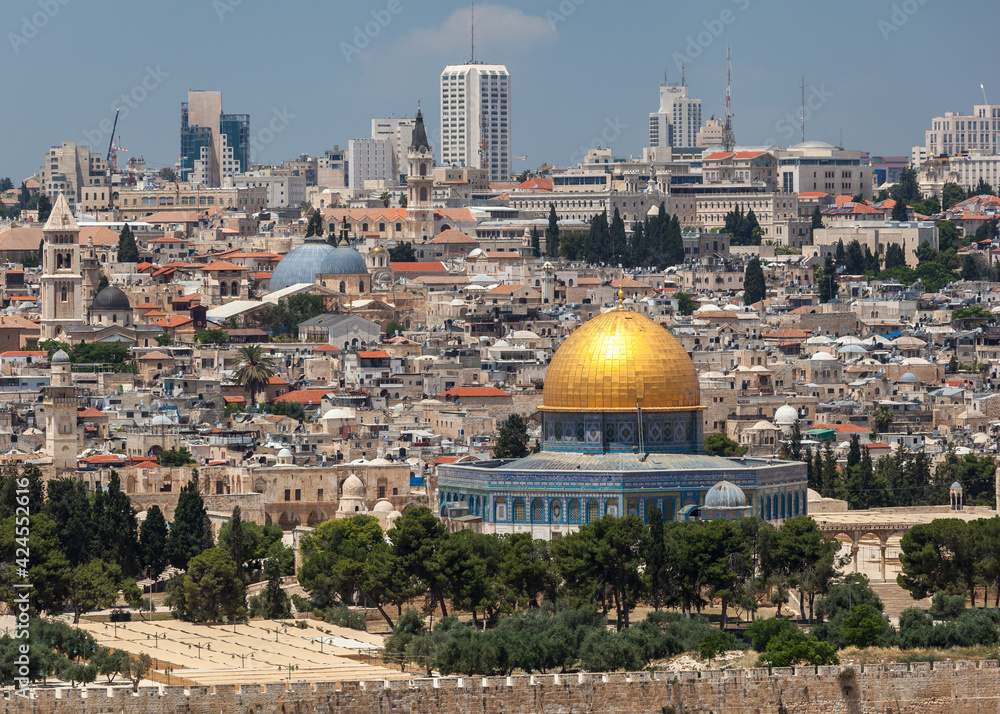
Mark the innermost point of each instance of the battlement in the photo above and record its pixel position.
(956, 687)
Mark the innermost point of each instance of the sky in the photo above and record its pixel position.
(313, 73)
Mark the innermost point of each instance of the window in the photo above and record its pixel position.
(298, 494)
(319, 494)
(288, 495)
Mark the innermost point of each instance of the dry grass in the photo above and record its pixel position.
(887, 655)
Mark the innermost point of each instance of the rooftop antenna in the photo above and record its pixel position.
(728, 140)
(683, 67)
(472, 33)
(985, 100)
(664, 77)
(802, 119)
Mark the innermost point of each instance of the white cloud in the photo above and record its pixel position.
(500, 32)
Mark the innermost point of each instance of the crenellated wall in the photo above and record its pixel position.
(955, 688)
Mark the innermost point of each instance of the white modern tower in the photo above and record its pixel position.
(678, 119)
(475, 118)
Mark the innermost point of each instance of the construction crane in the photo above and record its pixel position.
(985, 100)
(112, 158)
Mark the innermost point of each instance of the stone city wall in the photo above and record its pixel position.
(956, 688)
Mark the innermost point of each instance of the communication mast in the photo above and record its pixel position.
(728, 140)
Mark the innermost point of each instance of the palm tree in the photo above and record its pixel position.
(882, 417)
(254, 370)
(386, 198)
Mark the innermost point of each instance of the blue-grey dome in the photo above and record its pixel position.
(111, 298)
(956, 486)
(301, 264)
(344, 260)
(60, 357)
(725, 494)
(909, 378)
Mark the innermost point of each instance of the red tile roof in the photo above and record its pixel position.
(90, 413)
(429, 267)
(223, 265)
(307, 397)
(326, 348)
(379, 354)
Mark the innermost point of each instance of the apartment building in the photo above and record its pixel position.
(81, 176)
(475, 118)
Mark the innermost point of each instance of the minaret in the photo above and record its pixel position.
(420, 184)
(60, 415)
(62, 279)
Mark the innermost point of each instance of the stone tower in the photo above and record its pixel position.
(60, 415)
(420, 184)
(62, 278)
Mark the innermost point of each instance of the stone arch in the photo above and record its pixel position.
(289, 520)
(317, 515)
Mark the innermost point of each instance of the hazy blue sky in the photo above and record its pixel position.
(583, 71)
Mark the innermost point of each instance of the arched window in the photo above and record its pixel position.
(593, 511)
(518, 510)
(234, 289)
(633, 507)
(361, 286)
(364, 227)
(574, 511)
(223, 290)
(611, 507)
(423, 172)
(114, 319)
(555, 511)
(423, 194)
(343, 287)
(537, 511)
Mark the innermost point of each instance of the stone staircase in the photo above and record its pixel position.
(895, 599)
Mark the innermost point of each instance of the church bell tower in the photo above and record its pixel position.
(62, 278)
(420, 184)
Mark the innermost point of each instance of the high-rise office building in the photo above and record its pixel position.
(475, 118)
(214, 146)
(399, 133)
(678, 120)
(956, 133)
(371, 160)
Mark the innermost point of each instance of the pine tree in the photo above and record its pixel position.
(128, 251)
(315, 225)
(153, 542)
(188, 536)
(512, 441)
(552, 233)
(840, 256)
(274, 600)
(793, 447)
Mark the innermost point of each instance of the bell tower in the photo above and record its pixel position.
(420, 184)
(62, 278)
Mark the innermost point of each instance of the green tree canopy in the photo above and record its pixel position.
(191, 531)
(512, 441)
(128, 251)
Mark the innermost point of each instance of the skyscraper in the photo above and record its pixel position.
(475, 118)
(214, 145)
(678, 119)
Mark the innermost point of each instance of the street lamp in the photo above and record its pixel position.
(243, 658)
(289, 669)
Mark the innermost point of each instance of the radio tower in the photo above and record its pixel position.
(728, 141)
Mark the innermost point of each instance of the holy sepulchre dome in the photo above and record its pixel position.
(622, 431)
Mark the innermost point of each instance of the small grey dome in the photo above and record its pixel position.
(301, 264)
(786, 415)
(284, 454)
(111, 298)
(344, 260)
(725, 494)
(60, 357)
(909, 378)
(956, 486)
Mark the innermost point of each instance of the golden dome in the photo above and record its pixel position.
(616, 361)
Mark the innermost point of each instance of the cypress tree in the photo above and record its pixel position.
(116, 527)
(617, 234)
(128, 251)
(237, 543)
(754, 285)
(190, 533)
(552, 233)
(153, 542)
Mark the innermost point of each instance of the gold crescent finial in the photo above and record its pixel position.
(621, 290)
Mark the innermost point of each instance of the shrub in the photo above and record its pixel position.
(760, 632)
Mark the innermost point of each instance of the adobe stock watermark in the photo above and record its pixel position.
(791, 123)
(613, 129)
(900, 15)
(366, 33)
(280, 119)
(697, 44)
(125, 103)
(224, 7)
(562, 12)
(31, 25)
